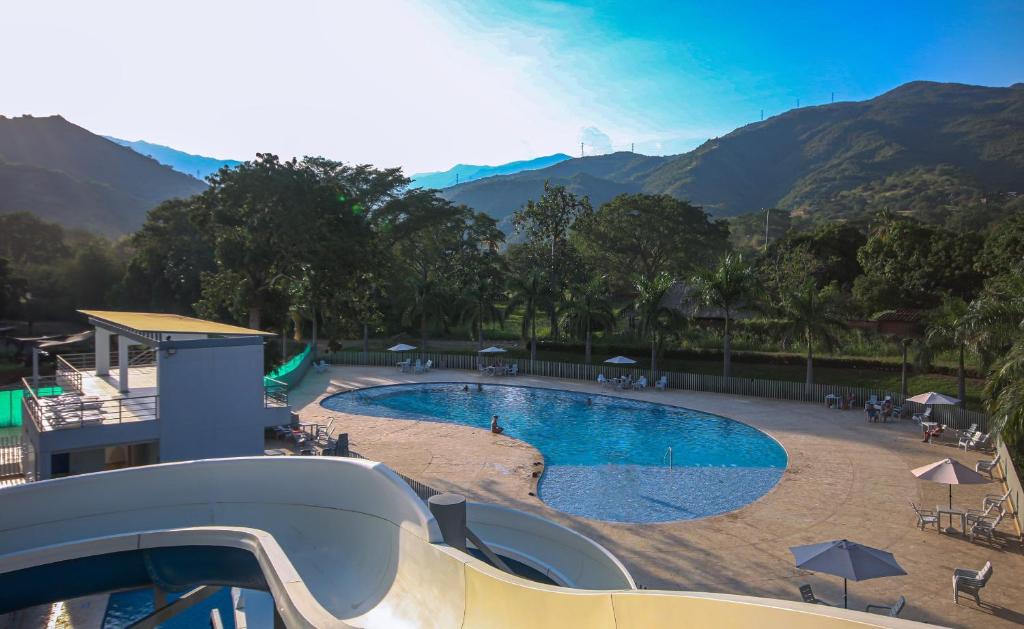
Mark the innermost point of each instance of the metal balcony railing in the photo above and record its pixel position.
(51, 405)
(275, 393)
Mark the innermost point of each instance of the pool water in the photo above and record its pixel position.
(127, 607)
(605, 457)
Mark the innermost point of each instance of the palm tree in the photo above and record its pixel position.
(588, 307)
(531, 293)
(951, 327)
(811, 314)
(480, 305)
(728, 286)
(428, 304)
(656, 319)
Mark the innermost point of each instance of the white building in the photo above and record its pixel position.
(158, 388)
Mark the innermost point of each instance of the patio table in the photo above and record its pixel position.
(941, 511)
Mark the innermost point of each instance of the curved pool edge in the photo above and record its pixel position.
(558, 386)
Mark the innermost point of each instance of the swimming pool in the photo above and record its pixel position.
(605, 457)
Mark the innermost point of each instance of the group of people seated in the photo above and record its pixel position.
(881, 411)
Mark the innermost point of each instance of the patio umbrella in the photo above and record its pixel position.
(401, 347)
(492, 350)
(846, 559)
(621, 360)
(951, 472)
(933, 398)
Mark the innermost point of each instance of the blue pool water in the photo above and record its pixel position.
(603, 460)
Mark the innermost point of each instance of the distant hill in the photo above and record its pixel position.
(833, 161)
(61, 172)
(600, 177)
(198, 166)
(464, 173)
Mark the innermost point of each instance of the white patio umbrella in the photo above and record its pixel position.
(620, 360)
(933, 398)
(492, 350)
(401, 347)
(950, 472)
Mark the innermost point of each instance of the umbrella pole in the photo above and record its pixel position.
(845, 606)
(951, 497)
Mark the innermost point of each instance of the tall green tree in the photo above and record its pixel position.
(657, 320)
(729, 286)
(950, 327)
(647, 235)
(587, 308)
(529, 291)
(809, 313)
(546, 224)
(481, 281)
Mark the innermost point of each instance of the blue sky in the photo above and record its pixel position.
(426, 84)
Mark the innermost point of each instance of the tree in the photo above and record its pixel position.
(587, 308)
(729, 285)
(530, 292)
(809, 314)
(911, 264)
(950, 327)
(169, 256)
(647, 235)
(11, 289)
(657, 321)
(546, 224)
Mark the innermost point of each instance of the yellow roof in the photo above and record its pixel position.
(160, 322)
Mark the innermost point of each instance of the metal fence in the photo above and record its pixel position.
(952, 416)
(423, 491)
(10, 456)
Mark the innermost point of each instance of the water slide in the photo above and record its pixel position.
(337, 543)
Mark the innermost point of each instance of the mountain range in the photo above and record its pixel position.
(462, 173)
(63, 173)
(198, 166)
(830, 160)
(915, 149)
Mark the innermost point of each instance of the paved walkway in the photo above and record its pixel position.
(846, 479)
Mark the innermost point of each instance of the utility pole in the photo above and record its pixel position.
(762, 115)
(456, 179)
(798, 103)
(833, 97)
(581, 149)
(632, 147)
(767, 213)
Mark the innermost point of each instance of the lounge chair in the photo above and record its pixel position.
(808, 595)
(985, 526)
(514, 369)
(428, 365)
(967, 433)
(995, 499)
(641, 383)
(926, 416)
(601, 380)
(976, 441)
(971, 582)
(889, 610)
(662, 383)
(926, 517)
(987, 466)
(419, 366)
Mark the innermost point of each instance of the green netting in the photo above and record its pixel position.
(293, 370)
(10, 404)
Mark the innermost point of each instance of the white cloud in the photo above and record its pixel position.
(595, 141)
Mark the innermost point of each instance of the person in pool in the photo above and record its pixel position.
(465, 388)
(495, 428)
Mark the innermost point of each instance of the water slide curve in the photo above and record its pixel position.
(337, 543)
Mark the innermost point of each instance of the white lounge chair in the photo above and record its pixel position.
(976, 441)
(926, 416)
(987, 466)
(926, 517)
(889, 610)
(514, 369)
(995, 499)
(641, 383)
(427, 366)
(662, 383)
(419, 366)
(601, 380)
(971, 582)
(985, 526)
(967, 433)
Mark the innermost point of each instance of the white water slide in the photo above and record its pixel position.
(337, 543)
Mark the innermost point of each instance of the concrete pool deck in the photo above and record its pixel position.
(846, 479)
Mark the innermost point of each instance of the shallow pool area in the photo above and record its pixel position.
(605, 456)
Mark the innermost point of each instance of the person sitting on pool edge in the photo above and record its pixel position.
(495, 428)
